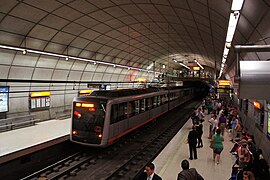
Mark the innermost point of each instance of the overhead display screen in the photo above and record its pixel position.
(4, 90)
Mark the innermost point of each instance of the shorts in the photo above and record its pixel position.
(217, 150)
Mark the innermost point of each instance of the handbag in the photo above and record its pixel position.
(186, 141)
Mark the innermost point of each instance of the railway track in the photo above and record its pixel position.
(123, 160)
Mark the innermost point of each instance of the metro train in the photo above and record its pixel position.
(100, 119)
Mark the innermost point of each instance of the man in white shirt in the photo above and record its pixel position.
(149, 173)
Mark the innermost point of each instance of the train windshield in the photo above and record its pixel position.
(88, 120)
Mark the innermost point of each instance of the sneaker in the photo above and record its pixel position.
(190, 158)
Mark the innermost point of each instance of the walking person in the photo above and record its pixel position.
(211, 121)
(192, 142)
(214, 125)
(188, 173)
(217, 145)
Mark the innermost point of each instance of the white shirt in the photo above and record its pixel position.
(150, 177)
(215, 124)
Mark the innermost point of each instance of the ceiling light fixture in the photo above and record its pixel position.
(23, 50)
(184, 65)
(199, 64)
(233, 21)
(237, 5)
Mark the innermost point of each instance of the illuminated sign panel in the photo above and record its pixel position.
(40, 94)
(140, 80)
(224, 90)
(87, 91)
(223, 82)
(196, 68)
(4, 90)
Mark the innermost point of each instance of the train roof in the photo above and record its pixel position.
(123, 92)
(129, 92)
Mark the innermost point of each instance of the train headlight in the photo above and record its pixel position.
(74, 132)
(100, 135)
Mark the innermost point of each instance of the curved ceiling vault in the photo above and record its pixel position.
(128, 32)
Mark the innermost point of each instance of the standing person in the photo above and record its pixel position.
(192, 142)
(149, 173)
(199, 129)
(200, 113)
(203, 105)
(194, 116)
(217, 144)
(234, 125)
(188, 173)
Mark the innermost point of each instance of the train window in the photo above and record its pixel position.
(154, 100)
(158, 100)
(164, 99)
(122, 111)
(181, 94)
(137, 107)
(148, 104)
(167, 98)
(173, 96)
(131, 108)
(142, 105)
(114, 113)
(170, 96)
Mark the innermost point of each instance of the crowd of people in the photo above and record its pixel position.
(249, 161)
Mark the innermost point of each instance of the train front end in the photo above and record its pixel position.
(88, 119)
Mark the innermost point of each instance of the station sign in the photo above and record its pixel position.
(93, 85)
(39, 100)
(223, 82)
(40, 94)
(86, 91)
(224, 90)
(196, 68)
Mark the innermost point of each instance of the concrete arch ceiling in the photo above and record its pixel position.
(129, 32)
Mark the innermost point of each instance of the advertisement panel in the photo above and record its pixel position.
(4, 92)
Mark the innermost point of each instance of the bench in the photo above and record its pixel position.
(17, 122)
(63, 114)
